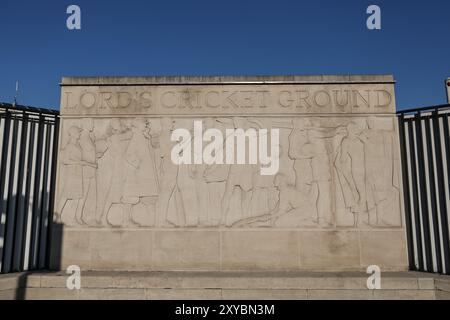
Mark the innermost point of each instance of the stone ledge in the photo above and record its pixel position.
(219, 294)
(204, 80)
(443, 284)
(224, 285)
(297, 280)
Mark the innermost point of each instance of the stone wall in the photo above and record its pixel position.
(335, 203)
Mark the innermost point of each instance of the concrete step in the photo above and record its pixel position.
(224, 285)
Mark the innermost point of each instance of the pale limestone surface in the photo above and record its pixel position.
(335, 203)
(224, 285)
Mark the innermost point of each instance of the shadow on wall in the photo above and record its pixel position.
(30, 261)
(53, 261)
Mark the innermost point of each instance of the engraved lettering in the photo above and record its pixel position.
(145, 99)
(124, 99)
(345, 98)
(168, 99)
(357, 94)
(88, 100)
(302, 96)
(285, 99)
(387, 98)
(67, 104)
(262, 97)
(106, 100)
(324, 101)
(212, 99)
(247, 98)
(189, 99)
(230, 98)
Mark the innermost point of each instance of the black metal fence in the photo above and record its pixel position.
(28, 144)
(425, 153)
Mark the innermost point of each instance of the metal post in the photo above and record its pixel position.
(3, 165)
(418, 231)
(36, 196)
(18, 221)
(52, 192)
(423, 194)
(406, 195)
(10, 213)
(441, 187)
(434, 209)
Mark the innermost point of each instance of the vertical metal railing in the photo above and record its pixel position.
(28, 144)
(425, 155)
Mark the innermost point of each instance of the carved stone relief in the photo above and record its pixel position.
(334, 172)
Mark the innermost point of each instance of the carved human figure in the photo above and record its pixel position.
(188, 194)
(215, 176)
(87, 209)
(350, 165)
(382, 177)
(264, 194)
(187, 182)
(71, 177)
(141, 184)
(240, 178)
(302, 165)
(201, 184)
(319, 150)
(168, 177)
(201, 190)
(116, 143)
(293, 208)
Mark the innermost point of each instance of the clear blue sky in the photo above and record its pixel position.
(227, 37)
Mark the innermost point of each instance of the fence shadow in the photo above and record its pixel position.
(53, 261)
(29, 241)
